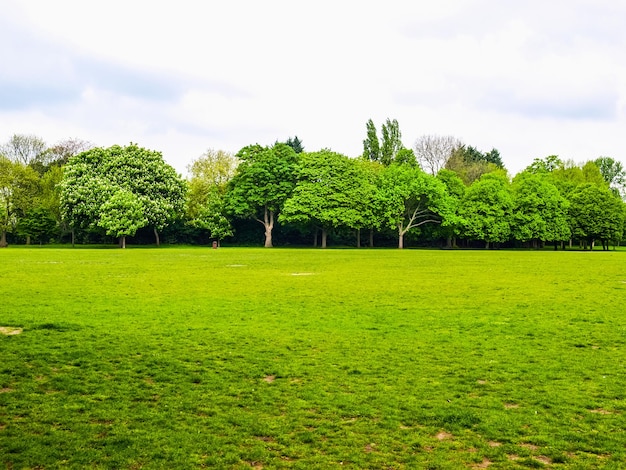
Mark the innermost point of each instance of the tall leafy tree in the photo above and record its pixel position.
(486, 209)
(210, 175)
(539, 210)
(409, 198)
(613, 173)
(391, 142)
(93, 177)
(371, 144)
(265, 178)
(596, 214)
(19, 189)
(333, 191)
(456, 190)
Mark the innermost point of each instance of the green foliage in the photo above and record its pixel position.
(613, 173)
(39, 224)
(371, 145)
(539, 210)
(122, 214)
(545, 165)
(265, 178)
(486, 209)
(19, 186)
(596, 213)
(295, 144)
(210, 175)
(332, 191)
(470, 164)
(408, 198)
(226, 359)
(391, 142)
(93, 177)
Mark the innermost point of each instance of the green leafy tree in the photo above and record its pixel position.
(410, 198)
(122, 215)
(265, 178)
(456, 190)
(210, 175)
(295, 144)
(391, 142)
(19, 188)
(91, 178)
(539, 210)
(486, 209)
(333, 191)
(470, 164)
(596, 214)
(613, 173)
(37, 224)
(371, 144)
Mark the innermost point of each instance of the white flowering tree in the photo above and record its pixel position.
(101, 179)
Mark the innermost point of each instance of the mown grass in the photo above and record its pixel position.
(285, 358)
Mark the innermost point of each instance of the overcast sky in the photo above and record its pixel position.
(532, 78)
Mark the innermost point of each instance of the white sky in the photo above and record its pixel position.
(532, 78)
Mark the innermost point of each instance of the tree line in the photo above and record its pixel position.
(441, 192)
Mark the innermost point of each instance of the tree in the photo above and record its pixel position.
(18, 192)
(433, 151)
(24, 149)
(93, 177)
(545, 165)
(596, 214)
(265, 178)
(333, 191)
(456, 190)
(210, 175)
(470, 164)
(371, 145)
(486, 209)
(295, 144)
(410, 198)
(613, 173)
(391, 142)
(539, 210)
(60, 153)
(122, 215)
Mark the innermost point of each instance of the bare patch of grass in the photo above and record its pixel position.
(10, 330)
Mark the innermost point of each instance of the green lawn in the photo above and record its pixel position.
(285, 358)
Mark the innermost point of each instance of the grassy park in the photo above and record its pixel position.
(300, 358)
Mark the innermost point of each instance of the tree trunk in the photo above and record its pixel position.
(400, 239)
(449, 241)
(372, 237)
(268, 223)
(487, 245)
(3, 239)
(73, 238)
(28, 239)
(123, 241)
(156, 236)
(324, 237)
(358, 238)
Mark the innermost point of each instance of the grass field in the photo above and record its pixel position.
(285, 358)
